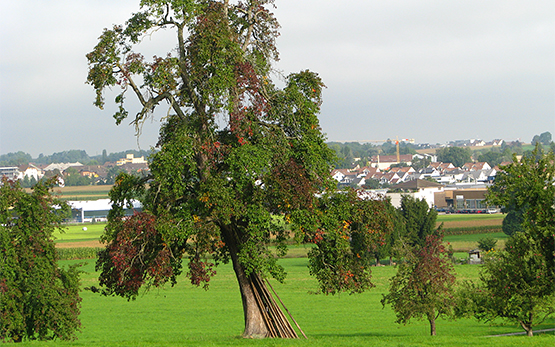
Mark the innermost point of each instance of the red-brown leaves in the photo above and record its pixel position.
(136, 256)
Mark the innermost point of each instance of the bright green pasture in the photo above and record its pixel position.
(468, 242)
(190, 316)
(468, 217)
(75, 233)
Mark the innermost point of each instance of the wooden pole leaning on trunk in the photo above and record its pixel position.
(289, 313)
(278, 325)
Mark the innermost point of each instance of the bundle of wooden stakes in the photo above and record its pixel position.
(278, 325)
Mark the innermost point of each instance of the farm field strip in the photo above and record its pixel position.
(469, 220)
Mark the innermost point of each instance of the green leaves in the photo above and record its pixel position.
(346, 230)
(515, 285)
(527, 187)
(518, 283)
(423, 285)
(38, 299)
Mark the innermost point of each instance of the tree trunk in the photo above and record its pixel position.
(432, 326)
(263, 317)
(527, 328)
(255, 326)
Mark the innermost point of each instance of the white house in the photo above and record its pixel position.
(30, 171)
(418, 189)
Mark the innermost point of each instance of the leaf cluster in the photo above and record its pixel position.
(350, 231)
(38, 299)
(515, 285)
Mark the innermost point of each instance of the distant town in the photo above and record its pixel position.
(450, 177)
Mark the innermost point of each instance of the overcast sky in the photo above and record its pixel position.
(430, 70)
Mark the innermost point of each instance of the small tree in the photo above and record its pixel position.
(487, 243)
(514, 285)
(423, 285)
(458, 156)
(38, 299)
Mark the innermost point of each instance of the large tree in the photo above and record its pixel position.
(242, 164)
(528, 186)
(518, 283)
(38, 299)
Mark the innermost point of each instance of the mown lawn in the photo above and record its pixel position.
(188, 316)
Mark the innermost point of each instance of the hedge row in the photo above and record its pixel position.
(77, 253)
(483, 229)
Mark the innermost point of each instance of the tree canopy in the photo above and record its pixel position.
(422, 288)
(458, 156)
(418, 218)
(241, 163)
(518, 283)
(544, 139)
(514, 284)
(38, 299)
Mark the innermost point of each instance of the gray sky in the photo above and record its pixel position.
(429, 70)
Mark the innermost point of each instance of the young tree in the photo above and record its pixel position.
(423, 285)
(515, 285)
(237, 155)
(487, 243)
(38, 299)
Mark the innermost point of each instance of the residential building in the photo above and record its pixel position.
(418, 189)
(130, 159)
(30, 171)
(383, 162)
(10, 172)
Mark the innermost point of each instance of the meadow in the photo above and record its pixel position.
(185, 315)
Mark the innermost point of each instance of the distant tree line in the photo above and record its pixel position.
(71, 156)
(350, 154)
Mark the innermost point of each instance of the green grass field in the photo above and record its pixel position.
(75, 233)
(188, 316)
